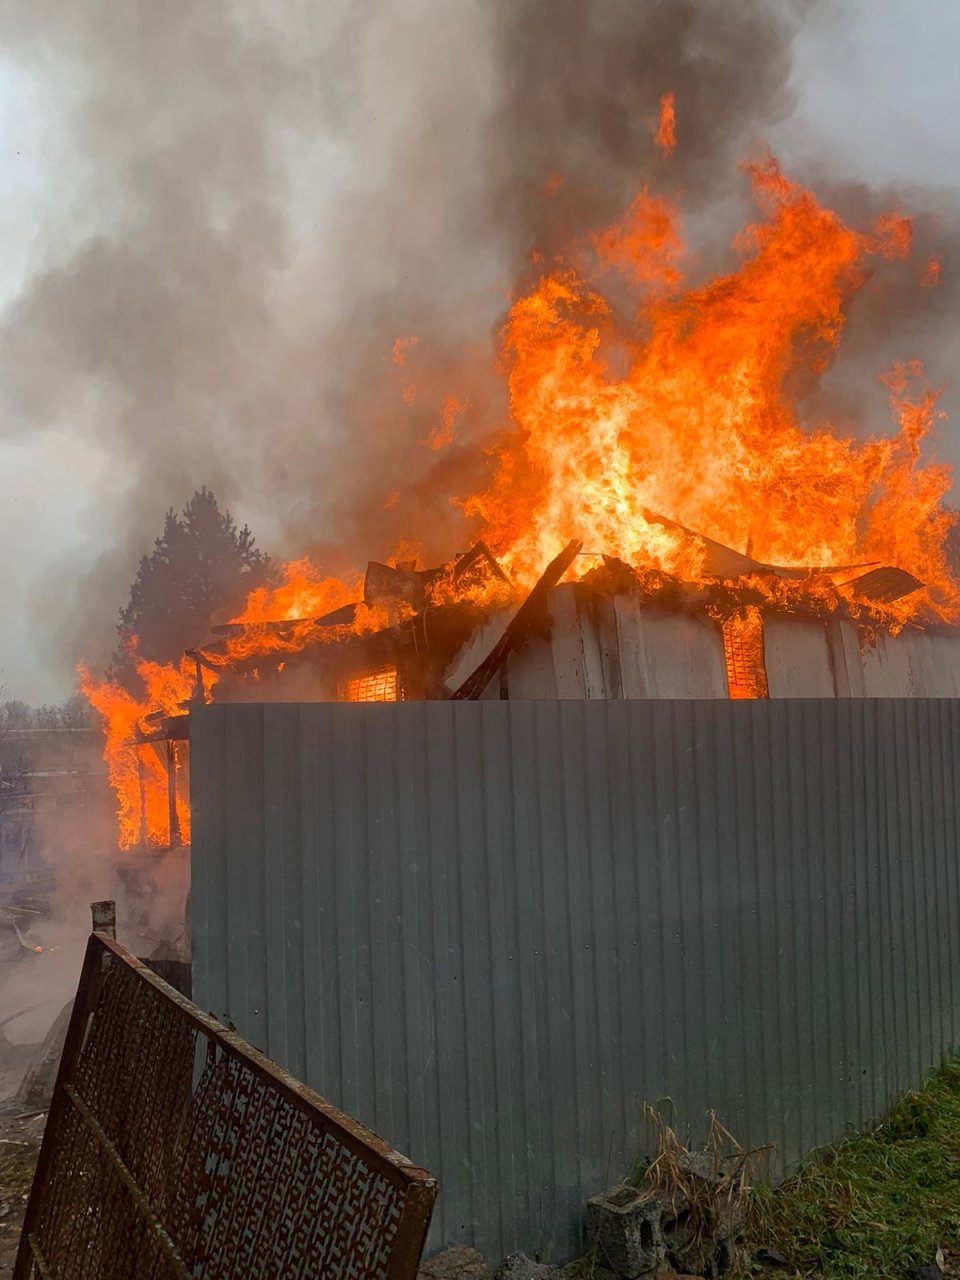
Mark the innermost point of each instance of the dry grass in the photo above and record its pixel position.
(878, 1205)
(709, 1185)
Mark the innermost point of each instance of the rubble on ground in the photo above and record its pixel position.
(691, 1226)
(456, 1263)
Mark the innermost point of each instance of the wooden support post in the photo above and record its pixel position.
(143, 798)
(172, 765)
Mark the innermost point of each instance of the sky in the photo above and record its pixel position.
(878, 98)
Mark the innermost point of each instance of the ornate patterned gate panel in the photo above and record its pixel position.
(175, 1149)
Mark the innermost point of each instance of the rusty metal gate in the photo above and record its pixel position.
(174, 1149)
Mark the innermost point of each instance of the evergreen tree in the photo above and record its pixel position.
(200, 565)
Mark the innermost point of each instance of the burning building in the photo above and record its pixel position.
(744, 629)
(667, 526)
(723, 543)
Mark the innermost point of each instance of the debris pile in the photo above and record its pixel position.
(692, 1226)
(686, 1219)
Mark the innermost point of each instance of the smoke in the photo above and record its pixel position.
(246, 204)
(70, 859)
(580, 92)
(903, 313)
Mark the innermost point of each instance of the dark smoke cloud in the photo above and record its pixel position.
(581, 87)
(899, 315)
(258, 199)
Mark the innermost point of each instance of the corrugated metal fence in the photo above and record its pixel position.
(490, 930)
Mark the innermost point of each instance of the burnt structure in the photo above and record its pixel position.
(460, 631)
(744, 630)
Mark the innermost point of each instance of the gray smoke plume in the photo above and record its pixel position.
(580, 91)
(253, 201)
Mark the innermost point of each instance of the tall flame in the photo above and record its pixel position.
(687, 415)
(137, 770)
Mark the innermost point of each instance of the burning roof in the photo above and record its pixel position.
(399, 642)
(415, 620)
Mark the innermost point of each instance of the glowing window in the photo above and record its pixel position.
(743, 654)
(372, 686)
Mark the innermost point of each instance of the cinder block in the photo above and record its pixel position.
(701, 1241)
(623, 1230)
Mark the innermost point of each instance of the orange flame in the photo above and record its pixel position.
(666, 135)
(303, 593)
(137, 770)
(932, 273)
(444, 434)
(699, 427)
(400, 348)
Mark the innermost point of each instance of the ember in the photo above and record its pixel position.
(619, 432)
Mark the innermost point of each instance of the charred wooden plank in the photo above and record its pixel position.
(397, 582)
(283, 626)
(479, 553)
(886, 584)
(524, 620)
(168, 729)
(723, 562)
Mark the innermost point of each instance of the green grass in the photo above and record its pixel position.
(876, 1204)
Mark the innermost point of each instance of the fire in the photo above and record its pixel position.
(666, 135)
(687, 414)
(444, 434)
(304, 593)
(932, 273)
(137, 770)
(683, 410)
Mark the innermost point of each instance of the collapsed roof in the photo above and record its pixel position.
(424, 617)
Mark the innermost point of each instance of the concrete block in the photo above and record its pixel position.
(728, 1216)
(623, 1231)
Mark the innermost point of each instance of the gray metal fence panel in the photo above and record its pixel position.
(490, 930)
